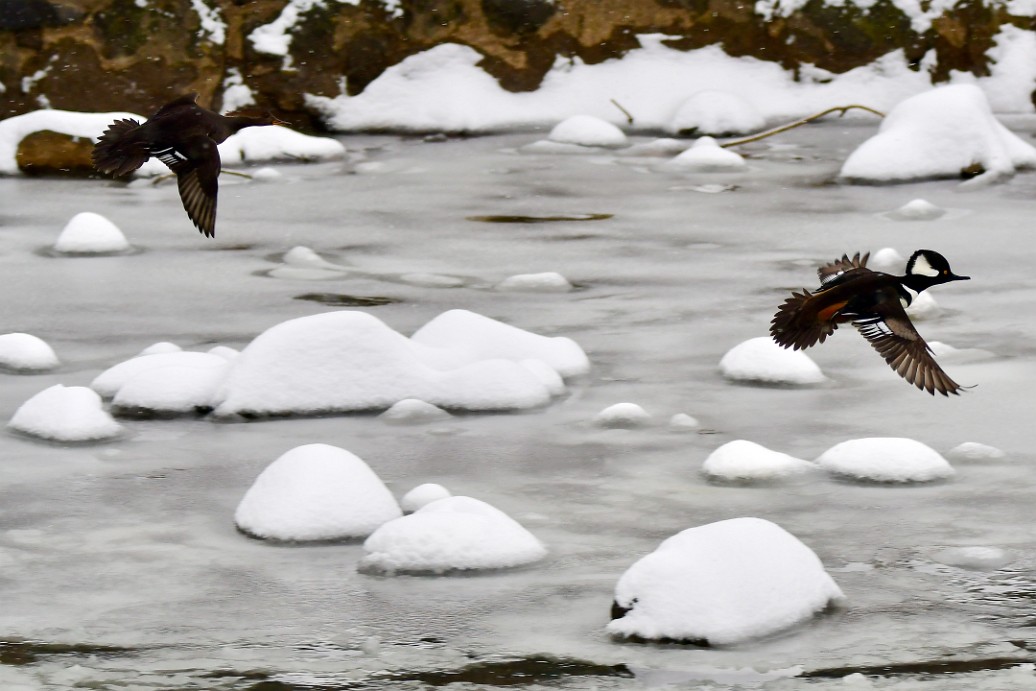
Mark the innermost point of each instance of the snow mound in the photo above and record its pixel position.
(21, 352)
(277, 143)
(412, 411)
(66, 414)
(161, 347)
(975, 558)
(742, 460)
(722, 583)
(267, 174)
(622, 416)
(423, 494)
(885, 459)
(707, 156)
(939, 134)
(546, 282)
(760, 360)
(451, 534)
(188, 386)
(315, 492)
(887, 260)
(90, 233)
(587, 130)
(716, 113)
(974, 451)
(683, 422)
(917, 210)
(110, 381)
(350, 361)
(466, 337)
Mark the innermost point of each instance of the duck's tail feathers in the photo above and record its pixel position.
(797, 324)
(121, 149)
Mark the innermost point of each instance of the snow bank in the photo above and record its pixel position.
(65, 414)
(722, 583)
(716, 113)
(315, 492)
(760, 360)
(885, 459)
(423, 494)
(938, 134)
(451, 534)
(348, 361)
(587, 130)
(22, 352)
(741, 460)
(90, 233)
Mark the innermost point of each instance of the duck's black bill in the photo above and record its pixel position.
(955, 277)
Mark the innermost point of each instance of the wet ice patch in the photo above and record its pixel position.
(885, 459)
(22, 352)
(760, 360)
(545, 282)
(975, 558)
(315, 492)
(451, 534)
(742, 460)
(720, 584)
(423, 494)
(716, 113)
(65, 414)
(90, 233)
(587, 130)
(707, 156)
(936, 134)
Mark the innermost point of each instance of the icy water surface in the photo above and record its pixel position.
(121, 567)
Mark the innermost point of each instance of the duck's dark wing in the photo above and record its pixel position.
(839, 267)
(196, 164)
(896, 340)
(185, 100)
(121, 149)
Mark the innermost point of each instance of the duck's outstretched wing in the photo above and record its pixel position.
(196, 164)
(831, 271)
(896, 340)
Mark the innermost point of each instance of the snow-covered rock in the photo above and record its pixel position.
(742, 460)
(348, 361)
(90, 233)
(65, 414)
(546, 282)
(173, 389)
(917, 210)
(761, 360)
(276, 143)
(22, 352)
(587, 130)
(14, 129)
(716, 113)
(462, 337)
(108, 382)
(939, 134)
(423, 494)
(267, 174)
(683, 422)
(885, 459)
(707, 156)
(887, 260)
(451, 534)
(315, 492)
(412, 411)
(974, 451)
(722, 583)
(622, 416)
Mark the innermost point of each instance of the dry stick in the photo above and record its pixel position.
(792, 125)
(629, 118)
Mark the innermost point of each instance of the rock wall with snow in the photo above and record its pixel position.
(107, 55)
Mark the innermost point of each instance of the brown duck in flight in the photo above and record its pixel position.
(182, 135)
(873, 302)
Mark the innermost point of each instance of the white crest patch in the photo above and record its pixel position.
(922, 267)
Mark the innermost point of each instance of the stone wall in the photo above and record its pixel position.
(103, 55)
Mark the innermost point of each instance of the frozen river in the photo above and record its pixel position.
(121, 566)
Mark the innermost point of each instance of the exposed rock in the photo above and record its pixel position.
(53, 153)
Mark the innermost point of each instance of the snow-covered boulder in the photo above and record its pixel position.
(462, 337)
(682, 422)
(720, 584)
(65, 414)
(276, 143)
(622, 416)
(110, 381)
(760, 360)
(545, 282)
(411, 411)
(14, 129)
(887, 260)
(451, 534)
(587, 130)
(938, 134)
(707, 156)
(90, 233)
(22, 352)
(885, 459)
(315, 492)
(174, 389)
(716, 113)
(423, 494)
(742, 460)
(349, 361)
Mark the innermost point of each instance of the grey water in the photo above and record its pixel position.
(120, 566)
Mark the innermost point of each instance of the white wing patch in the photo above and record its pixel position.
(171, 157)
(873, 328)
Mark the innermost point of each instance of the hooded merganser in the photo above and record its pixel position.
(182, 135)
(873, 302)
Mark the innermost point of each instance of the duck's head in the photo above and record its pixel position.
(928, 268)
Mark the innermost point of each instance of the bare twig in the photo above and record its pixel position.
(629, 118)
(841, 110)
